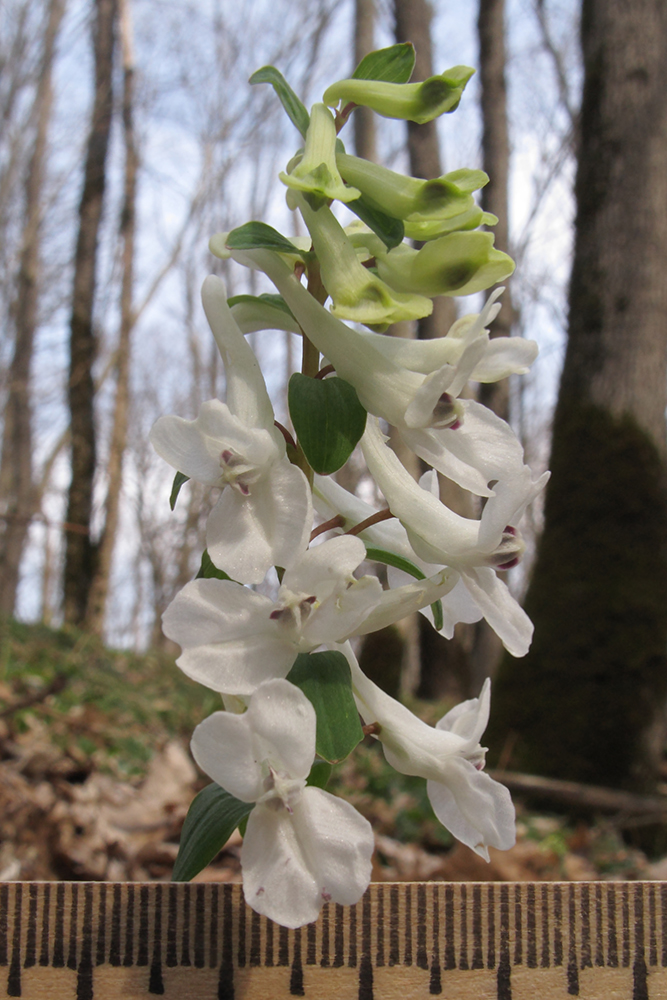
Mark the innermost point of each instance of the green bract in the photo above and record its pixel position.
(357, 293)
(325, 680)
(409, 198)
(457, 264)
(416, 102)
(316, 174)
(328, 419)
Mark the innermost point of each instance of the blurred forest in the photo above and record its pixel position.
(129, 136)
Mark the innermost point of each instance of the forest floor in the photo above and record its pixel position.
(96, 779)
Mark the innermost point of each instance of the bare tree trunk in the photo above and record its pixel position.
(17, 494)
(496, 162)
(100, 583)
(79, 550)
(486, 649)
(444, 664)
(588, 701)
(364, 120)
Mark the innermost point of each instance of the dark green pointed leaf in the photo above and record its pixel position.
(398, 562)
(208, 571)
(210, 822)
(291, 103)
(392, 65)
(179, 480)
(326, 681)
(391, 231)
(328, 419)
(277, 301)
(259, 236)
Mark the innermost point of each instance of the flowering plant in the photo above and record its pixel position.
(294, 695)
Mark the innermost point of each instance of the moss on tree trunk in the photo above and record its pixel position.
(582, 703)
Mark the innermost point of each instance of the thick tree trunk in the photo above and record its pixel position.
(100, 583)
(588, 702)
(17, 493)
(79, 550)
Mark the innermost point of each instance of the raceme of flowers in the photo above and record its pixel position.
(293, 695)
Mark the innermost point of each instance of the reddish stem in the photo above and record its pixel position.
(285, 433)
(325, 371)
(335, 522)
(381, 515)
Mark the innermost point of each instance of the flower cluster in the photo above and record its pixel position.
(292, 690)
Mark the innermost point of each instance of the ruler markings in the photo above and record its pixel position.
(44, 947)
(142, 934)
(531, 929)
(572, 964)
(268, 945)
(463, 929)
(477, 941)
(255, 952)
(31, 938)
(518, 935)
(585, 961)
(379, 925)
(422, 958)
(14, 978)
(296, 975)
(365, 962)
(155, 981)
(445, 928)
(652, 927)
(435, 983)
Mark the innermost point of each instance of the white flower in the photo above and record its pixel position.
(474, 807)
(460, 438)
(264, 514)
(473, 547)
(233, 638)
(302, 846)
(457, 604)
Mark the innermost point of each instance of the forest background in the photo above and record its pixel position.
(130, 134)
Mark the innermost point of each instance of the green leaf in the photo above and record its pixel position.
(328, 419)
(398, 562)
(179, 480)
(393, 65)
(325, 680)
(291, 103)
(259, 236)
(277, 301)
(391, 231)
(210, 822)
(208, 571)
(320, 773)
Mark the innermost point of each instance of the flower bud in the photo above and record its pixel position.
(316, 174)
(416, 102)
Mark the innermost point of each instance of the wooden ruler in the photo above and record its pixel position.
(461, 941)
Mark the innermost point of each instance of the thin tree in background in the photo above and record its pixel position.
(102, 571)
(18, 494)
(486, 648)
(364, 120)
(79, 549)
(444, 664)
(496, 163)
(588, 701)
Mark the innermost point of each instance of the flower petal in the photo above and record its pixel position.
(229, 642)
(293, 864)
(246, 535)
(505, 616)
(247, 397)
(474, 807)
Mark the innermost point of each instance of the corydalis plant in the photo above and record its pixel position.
(291, 687)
